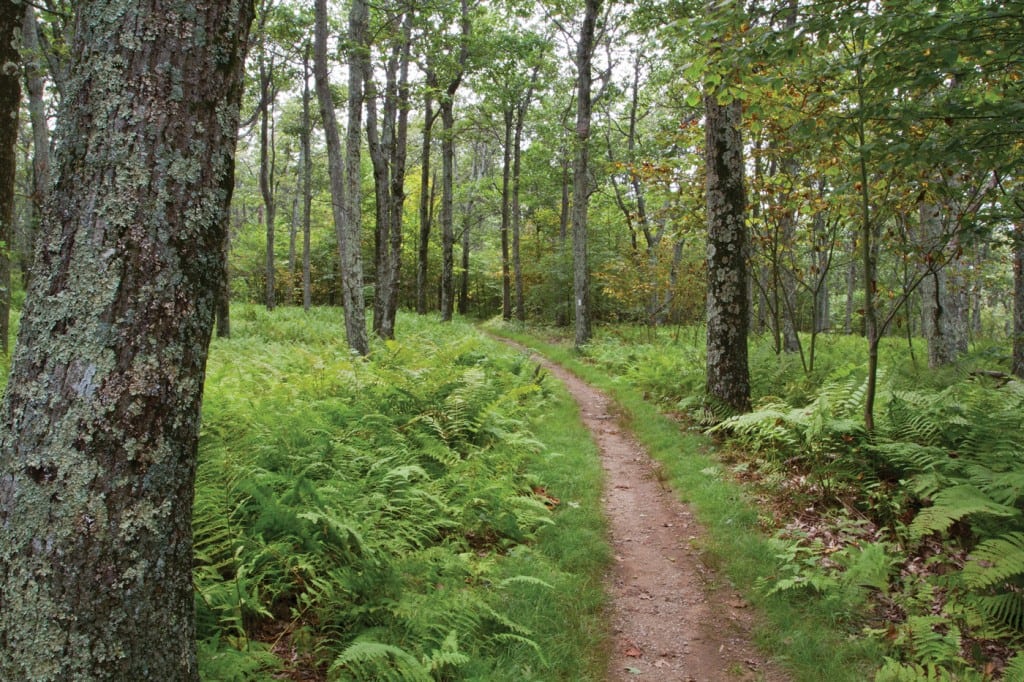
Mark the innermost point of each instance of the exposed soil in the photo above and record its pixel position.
(672, 618)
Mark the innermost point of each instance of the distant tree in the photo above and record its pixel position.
(347, 231)
(581, 171)
(99, 425)
(11, 17)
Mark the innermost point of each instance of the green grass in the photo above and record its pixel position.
(804, 635)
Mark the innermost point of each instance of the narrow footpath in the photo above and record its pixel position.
(672, 618)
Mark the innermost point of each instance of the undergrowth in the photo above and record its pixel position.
(912, 536)
(396, 517)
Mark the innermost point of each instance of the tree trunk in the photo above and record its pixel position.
(267, 169)
(943, 321)
(423, 245)
(34, 86)
(447, 197)
(99, 425)
(506, 176)
(581, 173)
(307, 180)
(517, 165)
(1018, 299)
(386, 140)
(728, 377)
(345, 209)
(11, 18)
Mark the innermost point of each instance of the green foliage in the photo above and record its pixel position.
(365, 512)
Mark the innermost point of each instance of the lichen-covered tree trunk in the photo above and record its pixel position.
(581, 173)
(728, 376)
(99, 425)
(11, 16)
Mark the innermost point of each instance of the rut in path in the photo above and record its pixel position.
(672, 619)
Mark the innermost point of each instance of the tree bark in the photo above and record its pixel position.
(581, 173)
(343, 206)
(99, 425)
(728, 376)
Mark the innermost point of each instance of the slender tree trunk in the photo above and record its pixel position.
(307, 180)
(447, 197)
(345, 209)
(34, 86)
(851, 292)
(563, 306)
(423, 246)
(387, 140)
(267, 163)
(1018, 299)
(506, 176)
(581, 171)
(517, 166)
(99, 425)
(467, 218)
(11, 18)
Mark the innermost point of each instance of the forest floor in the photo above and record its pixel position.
(673, 618)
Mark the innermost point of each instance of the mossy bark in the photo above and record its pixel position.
(99, 425)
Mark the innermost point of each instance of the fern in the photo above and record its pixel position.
(994, 561)
(953, 504)
(368, 660)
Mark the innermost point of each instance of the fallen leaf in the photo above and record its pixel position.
(633, 671)
(633, 652)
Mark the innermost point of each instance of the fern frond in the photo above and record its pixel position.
(953, 504)
(994, 561)
(368, 660)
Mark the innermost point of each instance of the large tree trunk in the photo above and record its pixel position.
(11, 18)
(344, 207)
(728, 376)
(581, 173)
(100, 422)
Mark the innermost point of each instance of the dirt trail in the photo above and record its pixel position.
(672, 619)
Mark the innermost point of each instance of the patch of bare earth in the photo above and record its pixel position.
(672, 618)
